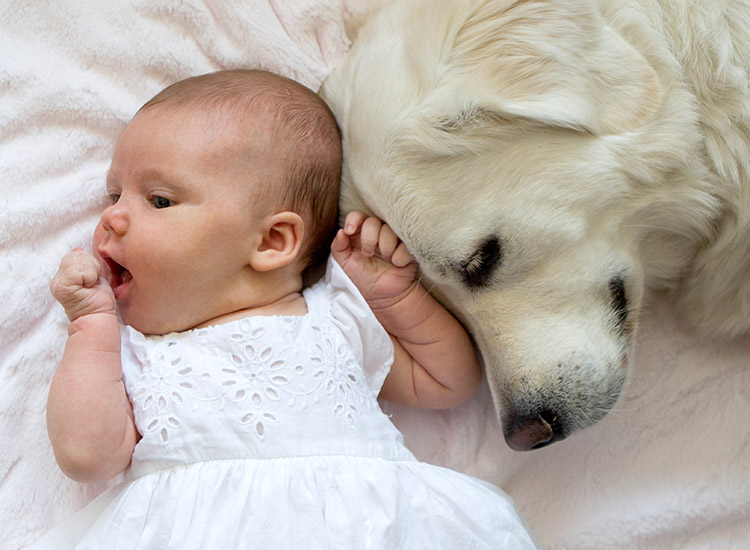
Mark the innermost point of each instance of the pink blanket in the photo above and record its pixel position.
(670, 468)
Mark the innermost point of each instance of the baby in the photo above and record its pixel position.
(241, 407)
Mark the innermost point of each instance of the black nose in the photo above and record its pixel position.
(528, 432)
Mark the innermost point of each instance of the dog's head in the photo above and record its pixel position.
(514, 149)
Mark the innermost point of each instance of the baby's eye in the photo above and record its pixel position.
(114, 197)
(161, 202)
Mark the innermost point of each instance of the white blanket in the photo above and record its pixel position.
(670, 468)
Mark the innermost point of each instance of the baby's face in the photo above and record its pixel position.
(176, 239)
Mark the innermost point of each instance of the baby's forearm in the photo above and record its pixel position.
(438, 345)
(89, 417)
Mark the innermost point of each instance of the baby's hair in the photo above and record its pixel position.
(301, 119)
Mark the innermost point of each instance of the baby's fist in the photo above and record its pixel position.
(375, 259)
(78, 286)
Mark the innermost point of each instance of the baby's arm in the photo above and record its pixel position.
(435, 365)
(89, 417)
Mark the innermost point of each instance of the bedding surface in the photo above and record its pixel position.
(669, 468)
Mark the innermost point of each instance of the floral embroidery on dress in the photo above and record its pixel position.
(344, 384)
(250, 370)
(164, 381)
(262, 375)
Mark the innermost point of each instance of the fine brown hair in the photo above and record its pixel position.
(302, 120)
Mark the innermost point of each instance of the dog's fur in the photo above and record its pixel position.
(551, 163)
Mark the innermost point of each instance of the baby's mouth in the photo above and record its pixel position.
(119, 276)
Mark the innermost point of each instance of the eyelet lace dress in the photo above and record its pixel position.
(265, 433)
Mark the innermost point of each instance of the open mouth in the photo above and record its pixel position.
(119, 276)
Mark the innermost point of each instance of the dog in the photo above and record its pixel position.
(550, 165)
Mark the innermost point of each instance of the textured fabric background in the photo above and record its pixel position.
(670, 468)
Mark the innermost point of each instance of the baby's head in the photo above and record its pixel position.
(224, 189)
(288, 124)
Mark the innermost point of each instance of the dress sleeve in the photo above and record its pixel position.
(369, 342)
(132, 351)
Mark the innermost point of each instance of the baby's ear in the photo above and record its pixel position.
(281, 241)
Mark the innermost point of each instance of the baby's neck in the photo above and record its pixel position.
(292, 304)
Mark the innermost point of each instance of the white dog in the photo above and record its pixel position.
(550, 163)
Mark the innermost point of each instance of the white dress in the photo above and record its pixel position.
(265, 433)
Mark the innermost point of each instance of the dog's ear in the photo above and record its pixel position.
(554, 62)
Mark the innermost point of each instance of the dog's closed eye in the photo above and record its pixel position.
(619, 300)
(477, 269)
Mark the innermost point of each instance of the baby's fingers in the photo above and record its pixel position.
(392, 249)
(401, 256)
(369, 236)
(77, 270)
(353, 222)
(387, 242)
(82, 268)
(90, 271)
(340, 244)
(79, 288)
(364, 230)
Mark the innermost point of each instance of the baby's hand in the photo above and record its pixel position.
(375, 259)
(78, 286)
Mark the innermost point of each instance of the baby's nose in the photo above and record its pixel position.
(115, 218)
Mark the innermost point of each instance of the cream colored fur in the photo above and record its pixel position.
(566, 144)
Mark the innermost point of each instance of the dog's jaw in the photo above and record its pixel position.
(548, 376)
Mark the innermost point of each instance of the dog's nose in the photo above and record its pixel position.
(529, 432)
